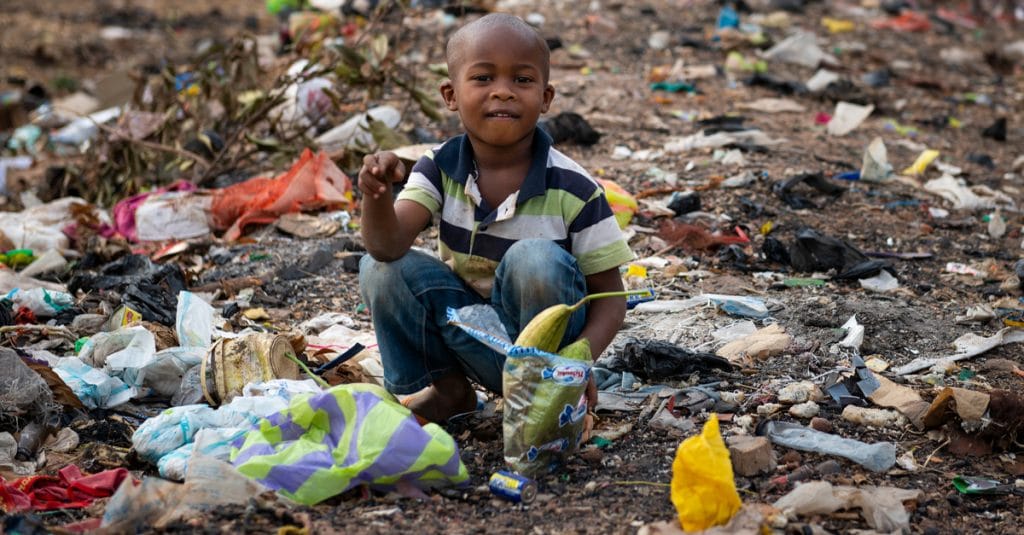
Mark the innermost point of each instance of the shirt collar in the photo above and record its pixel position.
(455, 158)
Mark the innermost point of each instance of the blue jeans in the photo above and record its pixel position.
(409, 298)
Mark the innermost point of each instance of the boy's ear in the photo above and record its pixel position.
(549, 95)
(448, 94)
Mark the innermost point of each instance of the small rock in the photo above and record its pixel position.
(873, 417)
(659, 40)
(592, 455)
(746, 423)
(751, 455)
(821, 424)
(768, 409)
(804, 410)
(801, 392)
(792, 457)
(828, 467)
(590, 487)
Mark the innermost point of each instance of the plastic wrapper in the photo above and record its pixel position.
(703, 489)
(545, 394)
(882, 507)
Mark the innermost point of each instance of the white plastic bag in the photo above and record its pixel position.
(175, 215)
(93, 387)
(165, 372)
(42, 302)
(194, 321)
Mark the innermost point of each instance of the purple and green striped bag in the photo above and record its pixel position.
(325, 444)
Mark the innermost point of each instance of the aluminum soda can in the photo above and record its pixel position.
(513, 487)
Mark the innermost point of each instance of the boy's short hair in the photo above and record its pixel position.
(458, 40)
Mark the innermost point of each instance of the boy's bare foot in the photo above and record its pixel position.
(448, 396)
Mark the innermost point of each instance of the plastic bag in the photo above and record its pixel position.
(298, 451)
(42, 302)
(623, 204)
(876, 166)
(882, 507)
(22, 391)
(164, 374)
(173, 216)
(210, 484)
(194, 321)
(210, 442)
(545, 394)
(314, 182)
(545, 403)
(41, 228)
(93, 387)
(703, 489)
(129, 362)
(172, 432)
(177, 426)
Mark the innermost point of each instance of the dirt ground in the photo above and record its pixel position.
(603, 73)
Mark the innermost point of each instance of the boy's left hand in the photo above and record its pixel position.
(592, 394)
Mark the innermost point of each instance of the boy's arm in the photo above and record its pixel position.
(604, 316)
(388, 228)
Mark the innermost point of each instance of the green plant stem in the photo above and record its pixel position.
(306, 369)
(591, 297)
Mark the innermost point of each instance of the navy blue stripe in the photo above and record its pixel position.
(485, 245)
(592, 213)
(575, 184)
(429, 169)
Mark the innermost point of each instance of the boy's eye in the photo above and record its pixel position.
(481, 77)
(523, 79)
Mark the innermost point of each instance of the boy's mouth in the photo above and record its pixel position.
(500, 114)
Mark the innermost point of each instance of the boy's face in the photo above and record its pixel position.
(499, 88)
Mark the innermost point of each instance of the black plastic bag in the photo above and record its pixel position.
(813, 251)
(149, 289)
(660, 360)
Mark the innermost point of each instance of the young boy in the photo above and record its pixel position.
(522, 227)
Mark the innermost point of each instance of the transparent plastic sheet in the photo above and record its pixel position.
(545, 394)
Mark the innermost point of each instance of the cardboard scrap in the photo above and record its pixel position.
(902, 398)
(968, 405)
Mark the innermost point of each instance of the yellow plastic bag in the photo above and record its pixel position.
(623, 203)
(923, 161)
(703, 489)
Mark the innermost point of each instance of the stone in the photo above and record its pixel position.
(801, 392)
(871, 417)
(821, 424)
(805, 410)
(768, 409)
(751, 455)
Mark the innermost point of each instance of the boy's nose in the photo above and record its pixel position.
(503, 91)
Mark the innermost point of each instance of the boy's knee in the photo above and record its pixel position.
(536, 255)
(537, 263)
(376, 277)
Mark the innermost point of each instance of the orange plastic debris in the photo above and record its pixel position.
(313, 183)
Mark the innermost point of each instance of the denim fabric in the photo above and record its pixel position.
(409, 298)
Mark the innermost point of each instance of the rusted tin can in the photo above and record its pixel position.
(231, 363)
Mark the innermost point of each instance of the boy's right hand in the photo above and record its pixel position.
(379, 170)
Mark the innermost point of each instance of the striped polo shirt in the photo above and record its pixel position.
(558, 201)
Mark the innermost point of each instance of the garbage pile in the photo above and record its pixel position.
(824, 335)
